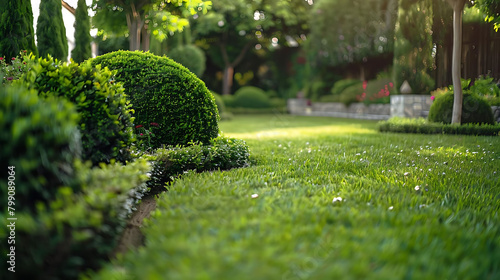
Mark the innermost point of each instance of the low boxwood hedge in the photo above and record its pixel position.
(422, 126)
(221, 154)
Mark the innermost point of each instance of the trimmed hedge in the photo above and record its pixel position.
(190, 56)
(221, 154)
(78, 230)
(40, 140)
(106, 123)
(474, 109)
(165, 92)
(250, 97)
(422, 126)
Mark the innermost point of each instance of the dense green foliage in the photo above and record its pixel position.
(221, 154)
(40, 140)
(492, 10)
(413, 47)
(474, 109)
(250, 97)
(78, 230)
(221, 106)
(341, 85)
(50, 31)
(164, 92)
(329, 199)
(82, 50)
(106, 122)
(16, 28)
(422, 126)
(190, 56)
(345, 32)
(349, 91)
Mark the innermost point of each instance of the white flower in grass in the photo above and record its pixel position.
(392, 207)
(417, 188)
(255, 195)
(337, 199)
(406, 173)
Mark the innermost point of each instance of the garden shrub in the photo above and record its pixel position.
(221, 107)
(40, 140)
(221, 154)
(164, 92)
(106, 122)
(423, 126)
(341, 85)
(474, 109)
(190, 56)
(77, 230)
(251, 97)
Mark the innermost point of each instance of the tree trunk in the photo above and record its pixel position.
(146, 39)
(227, 79)
(135, 24)
(458, 7)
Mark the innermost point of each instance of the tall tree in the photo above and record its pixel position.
(82, 50)
(146, 17)
(16, 28)
(413, 59)
(235, 27)
(50, 30)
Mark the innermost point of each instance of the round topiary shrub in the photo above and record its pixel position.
(106, 123)
(250, 97)
(38, 144)
(165, 93)
(190, 56)
(474, 109)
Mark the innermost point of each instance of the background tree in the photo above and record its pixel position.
(50, 30)
(235, 27)
(16, 28)
(345, 32)
(82, 50)
(413, 59)
(146, 17)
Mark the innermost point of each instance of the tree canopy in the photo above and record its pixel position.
(50, 30)
(82, 50)
(145, 17)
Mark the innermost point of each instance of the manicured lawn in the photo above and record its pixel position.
(330, 199)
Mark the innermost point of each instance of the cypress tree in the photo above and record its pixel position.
(16, 28)
(413, 59)
(83, 39)
(50, 30)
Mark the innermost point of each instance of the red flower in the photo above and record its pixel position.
(154, 124)
(138, 126)
(10, 78)
(1, 58)
(141, 134)
(13, 58)
(432, 98)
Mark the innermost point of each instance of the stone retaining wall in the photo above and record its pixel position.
(410, 106)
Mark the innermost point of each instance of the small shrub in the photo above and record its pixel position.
(475, 109)
(165, 92)
(221, 107)
(106, 122)
(422, 126)
(251, 97)
(341, 85)
(222, 153)
(40, 140)
(190, 56)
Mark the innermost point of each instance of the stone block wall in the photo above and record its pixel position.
(410, 106)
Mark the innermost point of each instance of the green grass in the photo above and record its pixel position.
(330, 199)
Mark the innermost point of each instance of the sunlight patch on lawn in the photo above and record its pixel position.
(298, 132)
